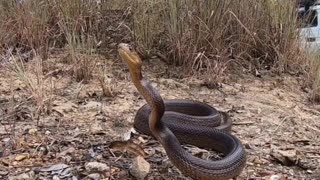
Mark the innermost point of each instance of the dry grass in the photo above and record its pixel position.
(205, 34)
(37, 86)
(25, 27)
(313, 78)
(207, 38)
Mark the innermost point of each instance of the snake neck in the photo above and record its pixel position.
(154, 100)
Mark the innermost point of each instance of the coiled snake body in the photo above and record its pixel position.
(173, 122)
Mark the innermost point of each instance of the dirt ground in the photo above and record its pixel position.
(272, 117)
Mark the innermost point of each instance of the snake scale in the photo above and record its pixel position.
(173, 122)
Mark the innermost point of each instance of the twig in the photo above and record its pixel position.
(112, 153)
(117, 158)
(314, 157)
(78, 90)
(243, 123)
(105, 89)
(281, 123)
(36, 149)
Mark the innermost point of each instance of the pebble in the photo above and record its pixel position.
(94, 167)
(21, 157)
(4, 173)
(92, 105)
(275, 177)
(55, 177)
(6, 140)
(140, 168)
(94, 176)
(32, 131)
(291, 172)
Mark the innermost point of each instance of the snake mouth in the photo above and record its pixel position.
(129, 55)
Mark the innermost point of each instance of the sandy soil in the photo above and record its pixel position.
(272, 117)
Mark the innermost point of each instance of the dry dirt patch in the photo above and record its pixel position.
(272, 117)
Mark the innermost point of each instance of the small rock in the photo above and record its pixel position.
(94, 176)
(2, 131)
(287, 158)
(275, 177)
(6, 141)
(55, 177)
(309, 171)
(291, 172)
(32, 131)
(140, 168)
(21, 157)
(47, 133)
(4, 173)
(203, 91)
(92, 105)
(93, 167)
(127, 135)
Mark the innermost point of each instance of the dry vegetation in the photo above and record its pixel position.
(211, 40)
(207, 38)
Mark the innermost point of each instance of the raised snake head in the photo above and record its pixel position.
(130, 56)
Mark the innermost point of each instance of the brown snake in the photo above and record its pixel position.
(173, 122)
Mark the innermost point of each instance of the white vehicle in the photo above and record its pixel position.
(310, 30)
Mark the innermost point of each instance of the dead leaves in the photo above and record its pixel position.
(83, 121)
(58, 170)
(21, 157)
(127, 146)
(286, 157)
(64, 107)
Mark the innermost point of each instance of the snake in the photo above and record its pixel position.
(174, 122)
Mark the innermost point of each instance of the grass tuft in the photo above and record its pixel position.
(37, 86)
